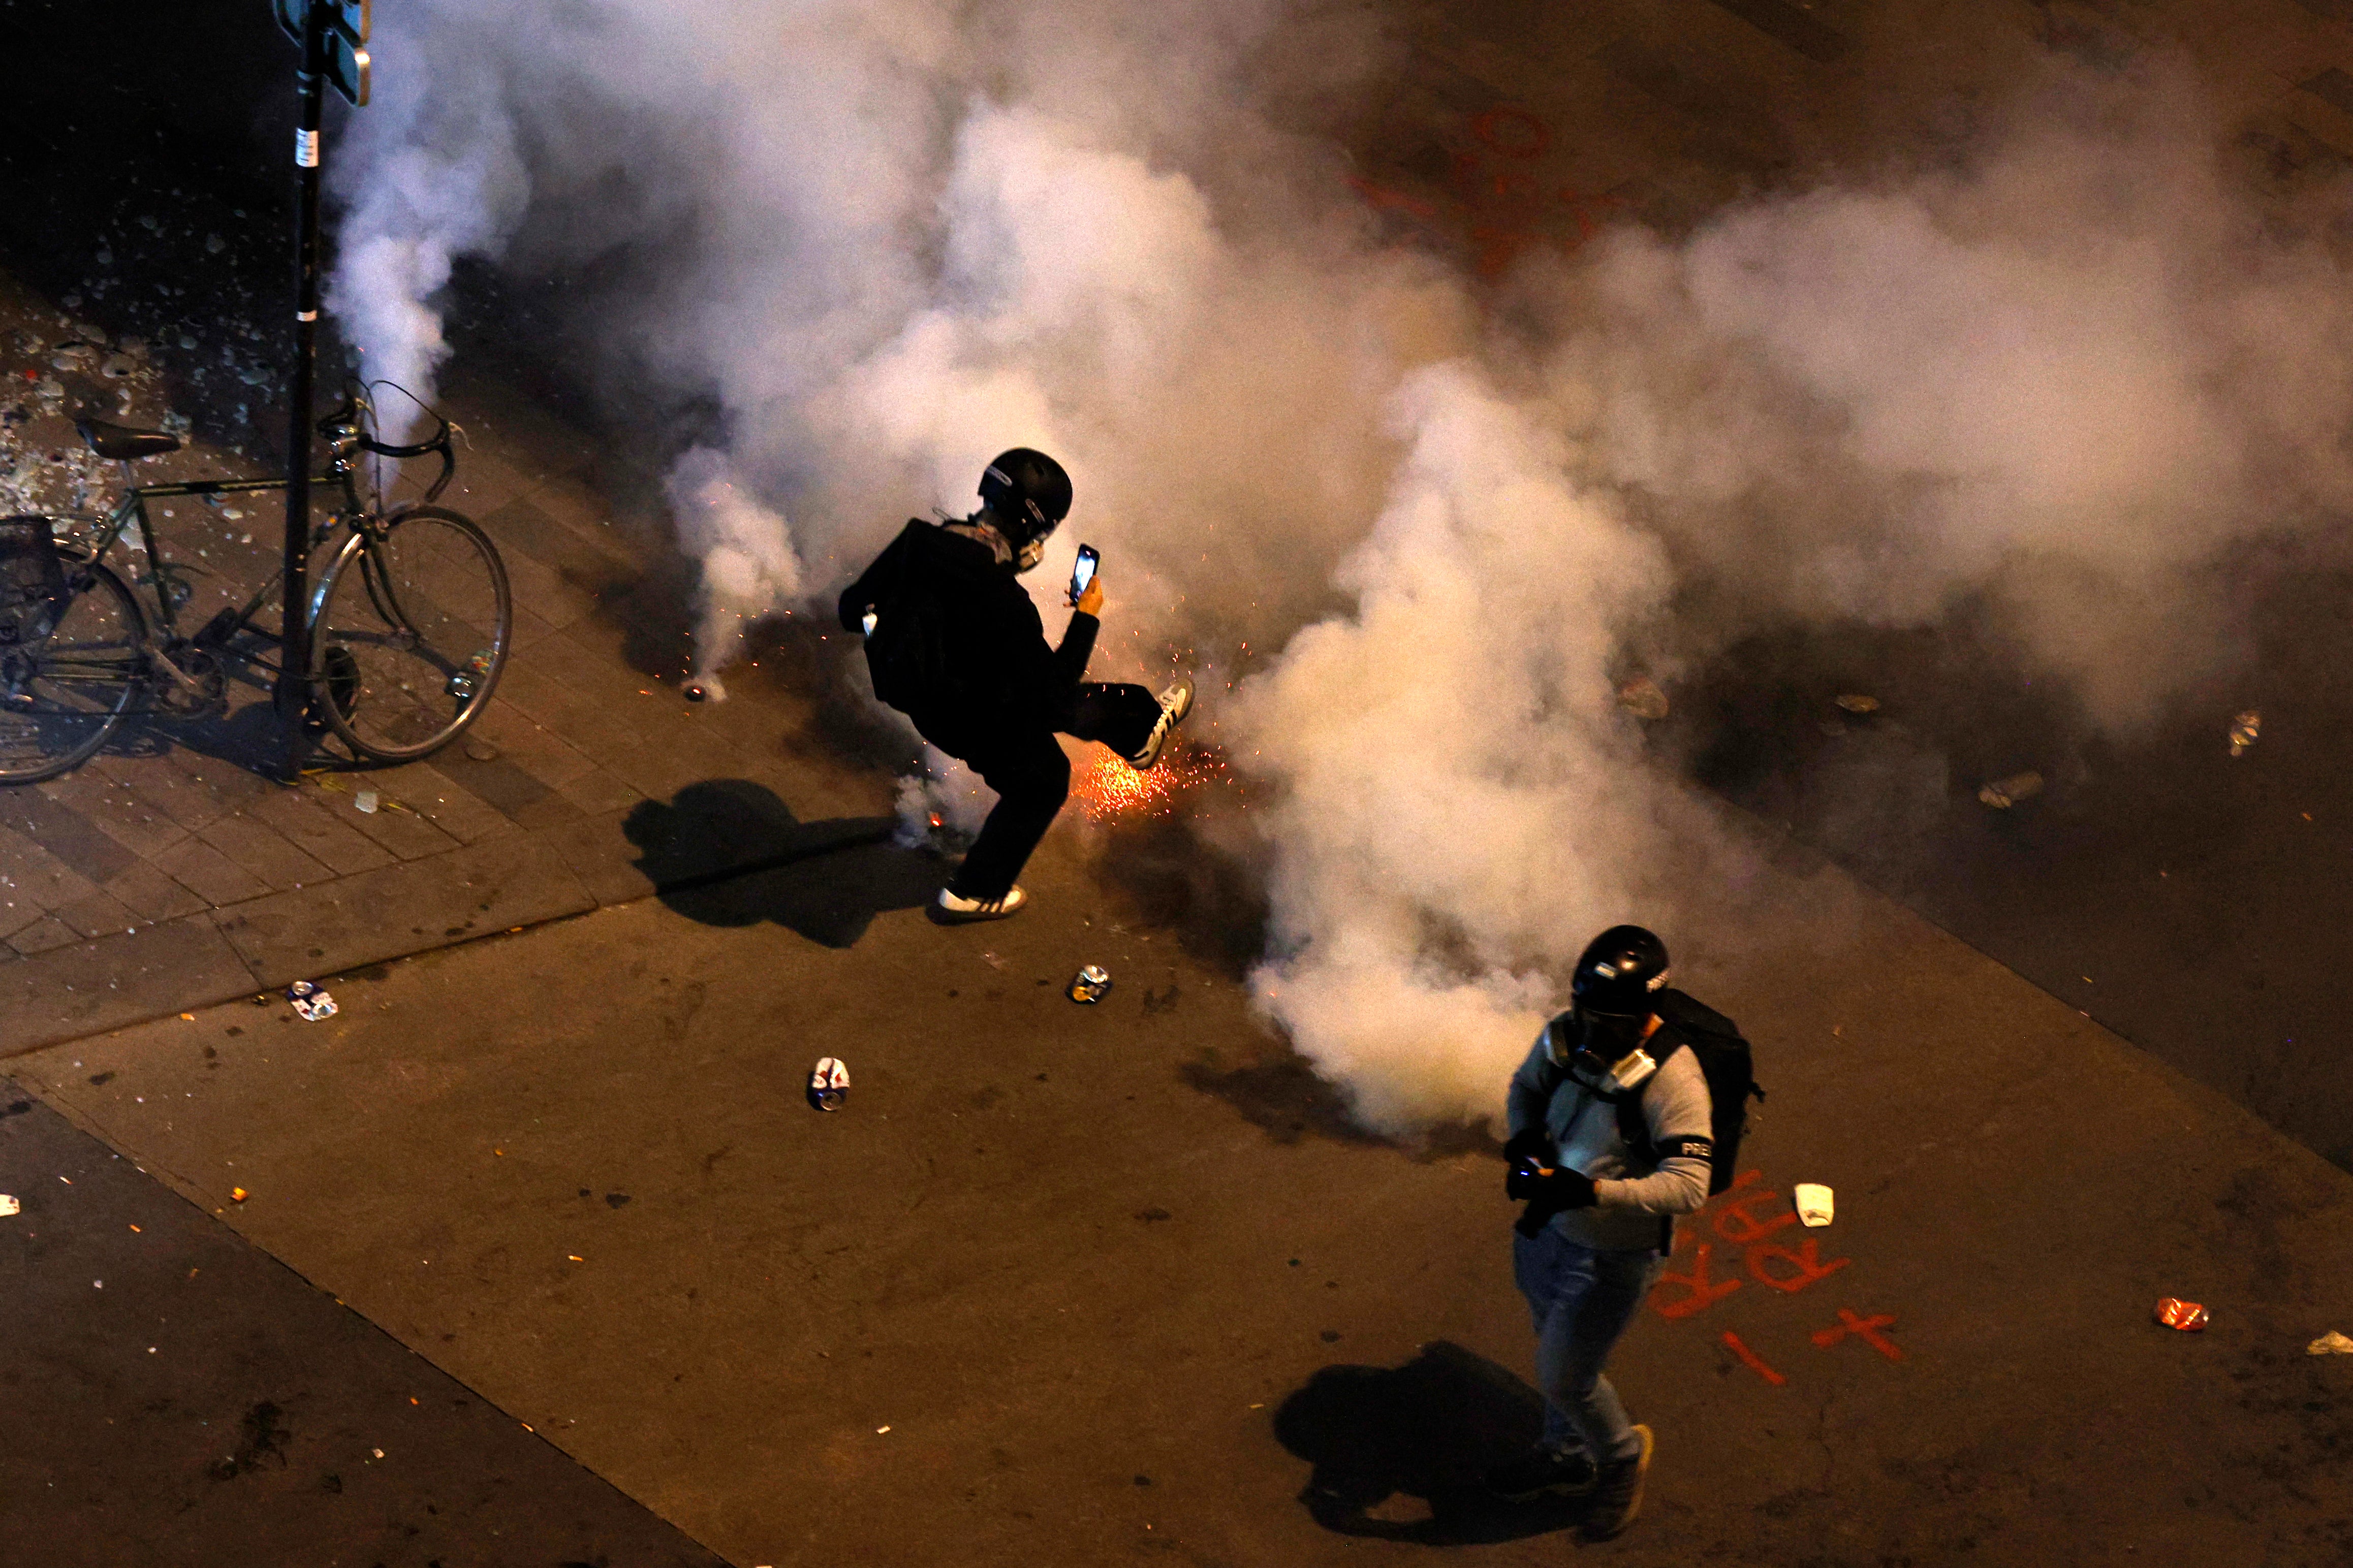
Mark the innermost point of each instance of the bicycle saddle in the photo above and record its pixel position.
(124, 444)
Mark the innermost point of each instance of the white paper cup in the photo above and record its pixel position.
(1813, 1200)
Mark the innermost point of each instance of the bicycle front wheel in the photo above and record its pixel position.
(61, 695)
(410, 630)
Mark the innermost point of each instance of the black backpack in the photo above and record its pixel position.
(906, 653)
(1724, 1061)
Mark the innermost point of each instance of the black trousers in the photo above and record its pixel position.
(1016, 756)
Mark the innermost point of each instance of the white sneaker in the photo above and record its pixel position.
(950, 910)
(1174, 703)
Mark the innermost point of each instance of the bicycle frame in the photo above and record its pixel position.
(132, 508)
(347, 438)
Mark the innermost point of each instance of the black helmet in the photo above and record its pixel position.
(1610, 997)
(1028, 492)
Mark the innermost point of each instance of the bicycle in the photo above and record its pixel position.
(411, 616)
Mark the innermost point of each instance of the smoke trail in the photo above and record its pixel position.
(749, 569)
(891, 239)
(439, 176)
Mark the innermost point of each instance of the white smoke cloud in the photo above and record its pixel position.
(893, 238)
(2073, 372)
(1442, 768)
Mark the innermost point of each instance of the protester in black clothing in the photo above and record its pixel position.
(954, 642)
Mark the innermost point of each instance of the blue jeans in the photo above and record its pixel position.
(1582, 1298)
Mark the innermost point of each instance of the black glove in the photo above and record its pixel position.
(1528, 1143)
(1565, 1189)
(1557, 1189)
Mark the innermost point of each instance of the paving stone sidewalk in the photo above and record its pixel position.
(171, 871)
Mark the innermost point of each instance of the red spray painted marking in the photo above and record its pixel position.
(1864, 1328)
(1751, 1359)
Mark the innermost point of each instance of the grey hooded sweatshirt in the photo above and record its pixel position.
(1631, 1197)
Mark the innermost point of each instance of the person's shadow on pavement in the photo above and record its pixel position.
(1381, 1437)
(728, 852)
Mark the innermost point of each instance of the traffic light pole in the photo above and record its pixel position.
(293, 689)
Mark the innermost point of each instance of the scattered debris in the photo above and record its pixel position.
(2003, 793)
(2187, 1316)
(1642, 698)
(9, 1206)
(1813, 1200)
(1090, 983)
(991, 960)
(828, 1084)
(2330, 1343)
(366, 801)
(695, 693)
(2243, 731)
(238, 1194)
(311, 1002)
(1856, 703)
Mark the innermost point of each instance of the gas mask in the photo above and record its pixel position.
(1606, 1051)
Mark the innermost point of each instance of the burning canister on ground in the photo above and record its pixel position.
(2187, 1316)
(1090, 983)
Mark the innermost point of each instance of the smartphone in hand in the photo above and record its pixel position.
(1084, 572)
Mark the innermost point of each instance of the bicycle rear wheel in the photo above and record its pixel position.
(410, 632)
(62, 695)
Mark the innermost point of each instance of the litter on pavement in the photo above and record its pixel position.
(2003, 793)
(238, 1194)
(1856, 702)
(2330, 1343)
(1813, 1200)
(2245, 728)
(828, 1084)
(9, 1206)
(1090, 983)
(1642, 698)
(2187, 1316)
(366, 801)
(310, 1001)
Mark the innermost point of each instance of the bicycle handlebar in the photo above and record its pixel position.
(383, 449)
(347, 419)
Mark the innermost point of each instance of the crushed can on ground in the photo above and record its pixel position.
(2330, 1343)
(1090, 983)
(828, 1084)
(2187, 1316)
(2245, 728)
(2003, 793)
(310, 1001)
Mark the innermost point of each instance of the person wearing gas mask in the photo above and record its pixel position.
(954, 642)
(1609, 1138)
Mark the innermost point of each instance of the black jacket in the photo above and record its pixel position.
(997, 665)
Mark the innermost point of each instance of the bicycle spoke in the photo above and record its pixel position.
(412, 634)
(61, 695)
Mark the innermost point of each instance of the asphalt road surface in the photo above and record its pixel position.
(1092, 1284)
